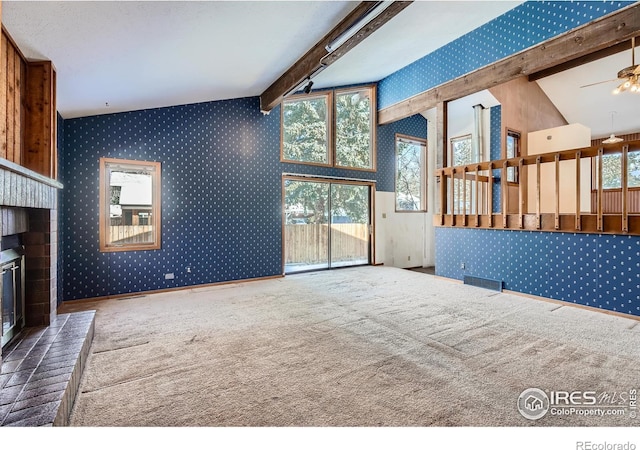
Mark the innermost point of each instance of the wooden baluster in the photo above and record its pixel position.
(625, 189)
(443, 196)
(538, 221)
(557, 215)
(477, 194)
(505, 196)
(520, 195)
(464, 196)
(578, 217)
(490, 195)
(454, 186)
(599, 222)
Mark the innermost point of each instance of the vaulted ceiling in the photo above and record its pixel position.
(114, 56)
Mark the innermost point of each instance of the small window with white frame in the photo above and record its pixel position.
(410, 189)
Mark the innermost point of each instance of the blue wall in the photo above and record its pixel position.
(524, 26)
(593, 270)
(221, 194)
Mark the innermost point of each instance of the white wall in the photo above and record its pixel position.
(399, 236)
(552, 140)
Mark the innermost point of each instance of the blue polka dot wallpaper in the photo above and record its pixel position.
(221, 194)
(524, 26)
(601, 271)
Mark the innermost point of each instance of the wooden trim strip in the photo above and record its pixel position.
(464, 197)
(600, 223)
(538, 222)
(505, 196)
(625, 189)
(557, 215)
(520, 196)
(70, 303)
(477, 220)
(578, 171)
(490, 195)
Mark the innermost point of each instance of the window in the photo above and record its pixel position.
(129, 205)
(513, 151)
(612, 170)
(410, 173)
(305, 129)
(330, 128)
(462, 154)
(461, 150)
(355, 128)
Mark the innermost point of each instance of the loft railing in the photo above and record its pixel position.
(556, 191)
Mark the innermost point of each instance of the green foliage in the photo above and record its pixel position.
(408, 176)
(612, 170)
(353, 130)
(310, 200)
(305, 130)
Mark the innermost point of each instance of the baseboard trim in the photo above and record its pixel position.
(162, 291)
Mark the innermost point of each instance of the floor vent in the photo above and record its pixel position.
(494, 285)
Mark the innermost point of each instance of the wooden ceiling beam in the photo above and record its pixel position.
(598, 35)
(311, 61)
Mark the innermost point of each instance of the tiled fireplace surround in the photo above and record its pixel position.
(41, 369)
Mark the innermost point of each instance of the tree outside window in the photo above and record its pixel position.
(410, 173)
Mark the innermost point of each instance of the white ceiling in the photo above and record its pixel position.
(146, 54)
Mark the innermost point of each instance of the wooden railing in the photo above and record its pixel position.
(557, 191)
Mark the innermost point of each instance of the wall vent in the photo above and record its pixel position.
(486, 283)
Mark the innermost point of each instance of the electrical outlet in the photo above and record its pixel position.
(462, 266)
(409, 258)
(169, 276)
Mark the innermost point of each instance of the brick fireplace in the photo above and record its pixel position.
(28, 211)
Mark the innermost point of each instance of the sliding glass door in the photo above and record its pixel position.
(327, 224)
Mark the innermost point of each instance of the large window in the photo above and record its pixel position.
(355, 128)
(330, 128)
(129, 205)
(305, 129)
(410, 173)
(612, 170)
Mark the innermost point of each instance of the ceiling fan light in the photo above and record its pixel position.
(627, 84)
(616, 91)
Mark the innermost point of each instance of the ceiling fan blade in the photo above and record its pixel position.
(599, 82)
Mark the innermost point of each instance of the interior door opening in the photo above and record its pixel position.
(327, 224)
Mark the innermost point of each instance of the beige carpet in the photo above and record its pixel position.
(370, 346)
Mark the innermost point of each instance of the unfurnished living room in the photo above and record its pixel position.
(328, 214)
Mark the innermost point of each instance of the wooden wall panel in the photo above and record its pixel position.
(39, 152)
(612, 201)
(3, 97)
(12, 97)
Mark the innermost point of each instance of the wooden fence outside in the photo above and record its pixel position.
(131, 234)
(308, 243)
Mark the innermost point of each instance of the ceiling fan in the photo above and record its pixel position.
(629, 76)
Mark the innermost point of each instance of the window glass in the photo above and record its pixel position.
(305, 130)
(354, 129)
(129, 205)
(612, 170)
(410, 173)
